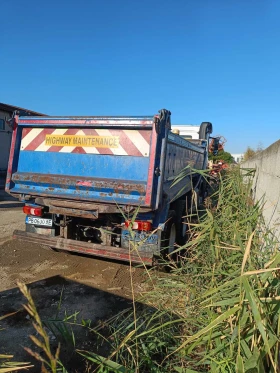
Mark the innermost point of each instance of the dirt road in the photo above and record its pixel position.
(95, 288)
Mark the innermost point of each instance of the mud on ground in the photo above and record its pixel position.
(61, 285)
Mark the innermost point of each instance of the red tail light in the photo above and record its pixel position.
(29, 210)
(139, 225)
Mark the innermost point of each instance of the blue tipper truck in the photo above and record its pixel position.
(82, 178)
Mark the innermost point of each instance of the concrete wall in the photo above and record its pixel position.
(5, 141)
(267, 183)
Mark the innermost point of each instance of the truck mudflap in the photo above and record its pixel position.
(86, 248)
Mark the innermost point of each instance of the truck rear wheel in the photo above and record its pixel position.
(169, 237)
(181, 222)
(172, 239)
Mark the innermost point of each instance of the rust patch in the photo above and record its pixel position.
(100, 207)
(74, 212)
(86, 247)
(64, 182)
(84, 183)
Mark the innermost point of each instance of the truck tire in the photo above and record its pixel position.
(175, 233)
(181, 222)
(169, 236)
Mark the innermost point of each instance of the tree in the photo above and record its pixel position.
(222, 156)
(249, 153)
(259, 147)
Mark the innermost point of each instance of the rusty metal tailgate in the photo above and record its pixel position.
(85, 158)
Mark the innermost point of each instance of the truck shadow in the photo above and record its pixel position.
(67, 308)
(10, 205)
(7, 201)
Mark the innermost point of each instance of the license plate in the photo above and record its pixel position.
(145, 237)
(39, 221)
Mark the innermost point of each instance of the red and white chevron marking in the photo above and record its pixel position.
(131, 142)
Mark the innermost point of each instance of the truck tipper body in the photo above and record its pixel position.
(98, 185)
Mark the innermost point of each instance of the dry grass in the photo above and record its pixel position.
(219, 310)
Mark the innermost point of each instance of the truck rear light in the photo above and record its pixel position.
(139, 225)
(29, 210)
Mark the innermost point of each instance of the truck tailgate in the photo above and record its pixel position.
(91, 159)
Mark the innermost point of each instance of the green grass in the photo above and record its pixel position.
(218, 311)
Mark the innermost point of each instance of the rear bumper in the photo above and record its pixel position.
(85, 247)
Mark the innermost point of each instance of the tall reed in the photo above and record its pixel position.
(219, 310)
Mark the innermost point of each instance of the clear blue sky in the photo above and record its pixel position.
(205, 60)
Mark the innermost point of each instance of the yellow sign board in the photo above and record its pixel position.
(82, 141)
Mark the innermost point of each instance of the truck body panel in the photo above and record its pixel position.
(92, 163)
